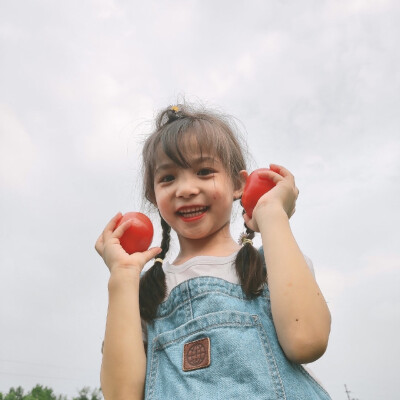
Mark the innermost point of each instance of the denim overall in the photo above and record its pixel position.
(211, 342)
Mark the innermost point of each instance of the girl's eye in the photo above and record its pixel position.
(205, 172)
(167, 178)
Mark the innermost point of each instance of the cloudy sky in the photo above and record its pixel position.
(314, 85)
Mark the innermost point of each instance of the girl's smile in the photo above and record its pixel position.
(192, 213)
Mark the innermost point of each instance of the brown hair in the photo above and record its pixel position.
(214, 134)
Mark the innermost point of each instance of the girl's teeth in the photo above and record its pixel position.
(193, 213)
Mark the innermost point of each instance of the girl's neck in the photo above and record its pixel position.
(218, 245)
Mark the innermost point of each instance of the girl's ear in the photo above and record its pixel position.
(241, 182)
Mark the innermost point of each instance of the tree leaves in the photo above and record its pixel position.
(45, 393)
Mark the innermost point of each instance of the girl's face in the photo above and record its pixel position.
(195, 201)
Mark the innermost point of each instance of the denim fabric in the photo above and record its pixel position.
(246, 360)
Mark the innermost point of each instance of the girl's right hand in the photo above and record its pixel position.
(280, 198)
(110, 249)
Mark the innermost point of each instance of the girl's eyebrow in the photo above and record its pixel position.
(164, 167)
(195, 161)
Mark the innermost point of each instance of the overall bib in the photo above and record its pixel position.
(209, 341)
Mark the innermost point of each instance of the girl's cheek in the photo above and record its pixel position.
(216, 195)
(163, 201)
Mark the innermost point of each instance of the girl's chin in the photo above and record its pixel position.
(193, 234)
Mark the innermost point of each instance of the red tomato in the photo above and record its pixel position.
(137, 237)
(254, 188)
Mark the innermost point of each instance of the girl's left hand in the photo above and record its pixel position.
(282, 197)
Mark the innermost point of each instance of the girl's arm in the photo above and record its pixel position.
(300, 313)
(123, 369)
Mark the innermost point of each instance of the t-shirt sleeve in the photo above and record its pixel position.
(310, 264)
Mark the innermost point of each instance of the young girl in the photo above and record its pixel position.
(223, 321)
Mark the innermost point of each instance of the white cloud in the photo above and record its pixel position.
(17, 150)
(382, 264)
(337, 280)
(116, 131)
(386, 311)
(107, 9)
(354, 7)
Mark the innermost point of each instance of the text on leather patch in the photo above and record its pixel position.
(196, 354)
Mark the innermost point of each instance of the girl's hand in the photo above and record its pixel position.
(110, 249)
(282, 197)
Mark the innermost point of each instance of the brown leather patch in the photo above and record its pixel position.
(196, 354)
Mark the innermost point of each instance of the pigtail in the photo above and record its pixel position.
(249, 266)
(152, 289)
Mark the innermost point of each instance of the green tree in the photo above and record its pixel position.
(40, 393)
(45, 393)
(15, 394)
(84, 394)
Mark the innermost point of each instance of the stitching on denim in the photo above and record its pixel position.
(183, 303)
(225, 324)
(239, 315)
(270, 359)
(207, 279)
(153, 371)
(186, 305)
(219, 292)
(221, 283)
(189, 301)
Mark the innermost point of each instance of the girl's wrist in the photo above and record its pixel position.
(271, 211)
(123, 276)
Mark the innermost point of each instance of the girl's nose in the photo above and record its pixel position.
(187, 187)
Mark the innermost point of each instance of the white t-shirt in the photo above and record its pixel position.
(217, 267)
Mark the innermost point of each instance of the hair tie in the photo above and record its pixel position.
(246, 240)
(160, 260)
(174, 113)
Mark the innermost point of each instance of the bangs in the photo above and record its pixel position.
(183, 138)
